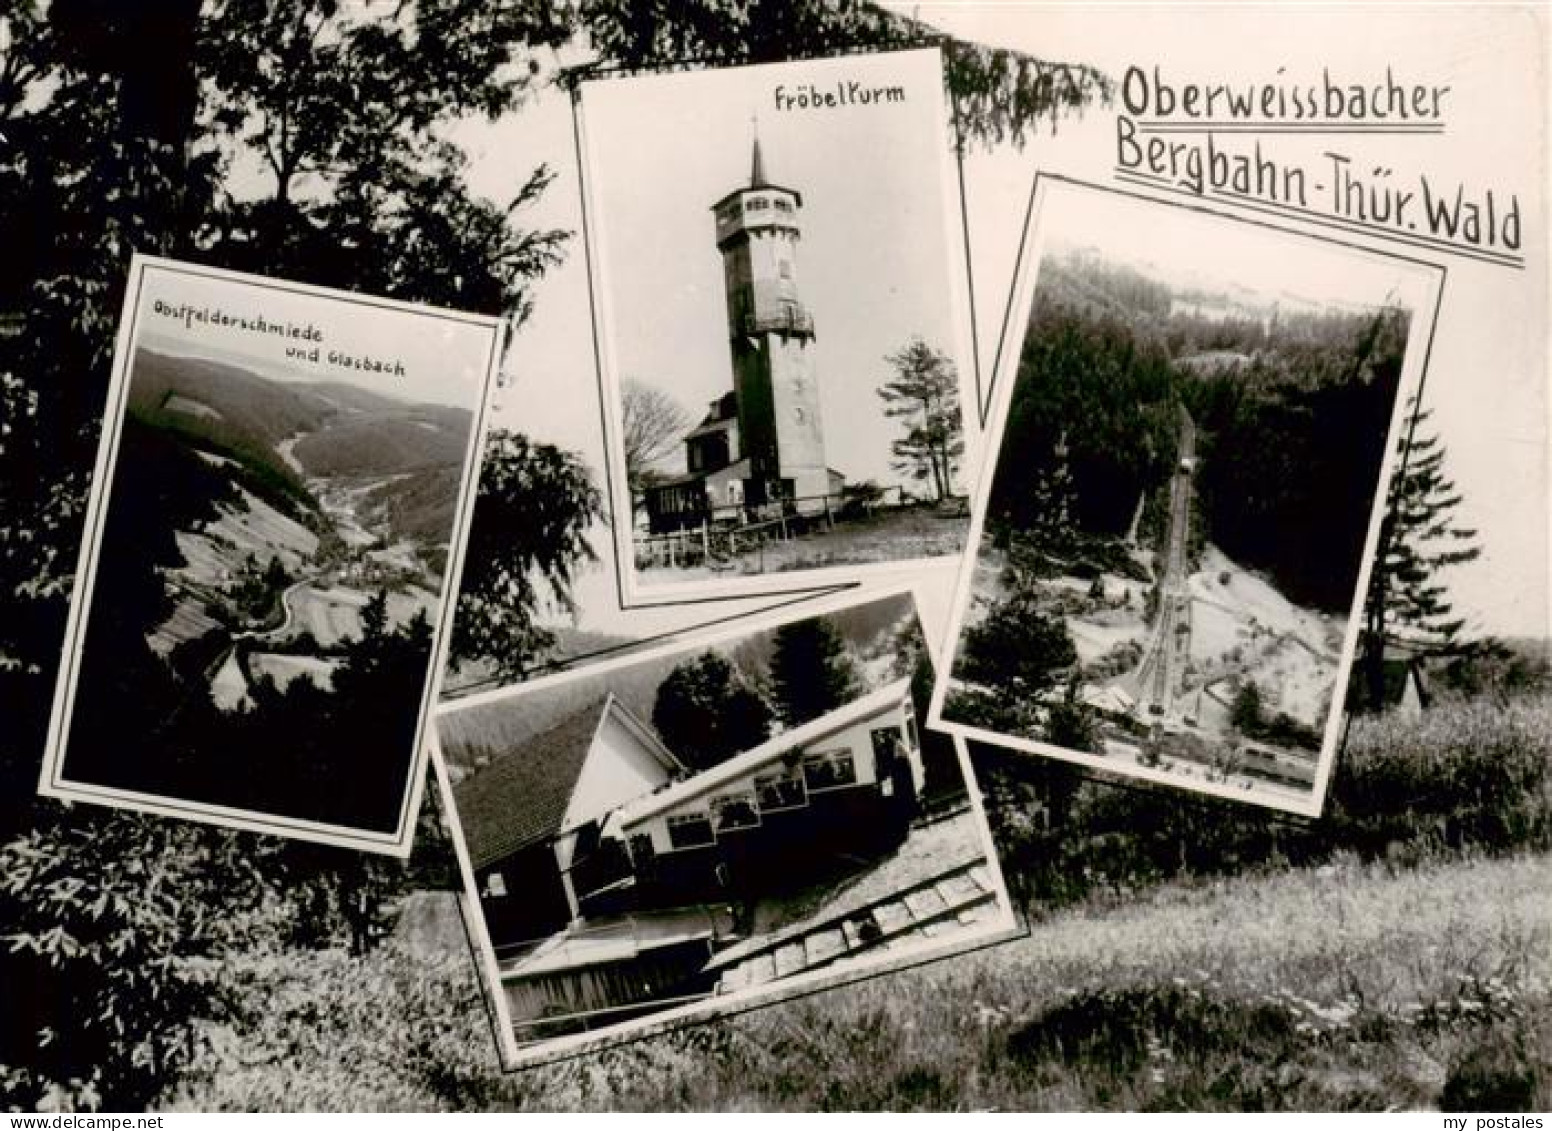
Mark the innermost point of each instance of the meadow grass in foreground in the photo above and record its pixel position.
(1395, 953)
(1343, 987)
(1349, 986)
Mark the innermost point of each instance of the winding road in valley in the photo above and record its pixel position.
(261, 635)
(284, 628)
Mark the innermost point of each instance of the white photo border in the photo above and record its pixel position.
(1004, 926)
(962, 310)
(53, 783)
(1420, 336)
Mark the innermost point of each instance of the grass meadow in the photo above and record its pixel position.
(1406, 973)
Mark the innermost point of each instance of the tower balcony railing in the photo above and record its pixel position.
(779, 321)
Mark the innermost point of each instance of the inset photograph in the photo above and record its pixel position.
(778, 270)
(1173, 543)
(712, 824)
(284, 478)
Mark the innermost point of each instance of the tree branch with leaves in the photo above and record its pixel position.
(527, 540)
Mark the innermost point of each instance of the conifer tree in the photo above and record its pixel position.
(811, 670)
(1420, 537)
(1049, 538)
(924, 394)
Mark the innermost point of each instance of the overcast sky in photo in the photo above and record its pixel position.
(445, 361)
(1250, 264)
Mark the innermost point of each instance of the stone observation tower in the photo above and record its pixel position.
(761, 442)
(771, 335)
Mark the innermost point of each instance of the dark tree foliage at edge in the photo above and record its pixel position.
(123, 125)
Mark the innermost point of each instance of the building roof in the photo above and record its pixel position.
(675, 481)
(602, 942)
(772, 749)
(736, 468)
(759, 180)
(721, 414)
(724, 407)
(521, 797)
(706, 428)
(1109, 699)
(1400, 674)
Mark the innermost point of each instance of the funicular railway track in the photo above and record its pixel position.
(963, 894)
(1162, 703)
(1169, 643)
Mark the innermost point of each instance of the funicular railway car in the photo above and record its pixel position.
(599, 905)
(846, 782)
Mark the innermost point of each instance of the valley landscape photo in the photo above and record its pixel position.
(1169, 558)
(272, 569)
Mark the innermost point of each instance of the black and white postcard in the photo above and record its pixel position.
(1186, 458)
(714, 823)
(777, 257)
(283, 480)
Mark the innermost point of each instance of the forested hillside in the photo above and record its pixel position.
(280, 434)
(1291, 448)
(230, 411)
(1101, 395)
(1292, 408)
(150, 728)
(400, 439)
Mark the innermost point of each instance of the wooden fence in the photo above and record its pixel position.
(730, 532)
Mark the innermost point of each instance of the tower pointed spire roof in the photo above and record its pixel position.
(759, 180)
(757, 163)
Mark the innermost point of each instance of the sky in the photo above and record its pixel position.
(1487, 376)
(445, 361)
(1194, 251)
(876, 262)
